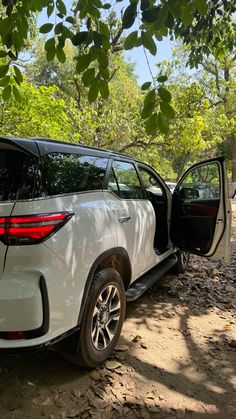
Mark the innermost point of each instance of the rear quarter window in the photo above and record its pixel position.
(63, 173)
(17, 175)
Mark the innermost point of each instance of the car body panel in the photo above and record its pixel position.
(64, 259)
(207, 218)
(137, 234)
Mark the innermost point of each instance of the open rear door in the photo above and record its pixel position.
(201, 214)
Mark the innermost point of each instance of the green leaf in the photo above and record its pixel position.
(167, 110)
(148, 42)
(104, 90)
(4, 81)
(151, 124)
(147, 110)
(70, 19)
(61, 56)
(50, 49)
(50, 9)
(12, 56)
(162, 15)
(146, 85)
(150, 15)
(61, 7)
(80, 38)
(144, 4)
(93, 91)
(18, 74)
(187, 15)
(162, 79)
(16, 93)
(88, 76)
(131, 40)
(163, 124)
(46, 28)
(150, 97)
(164, 94)
(138, 42)
(202, 7)
(58, 28)
(129, 15)
(103, 58)
(83, 63)
(3, 70)
(106, 6)
(104, 72)
(3, 53)
(6, 93)
(104, 29)
(175, 8)
(97, 38)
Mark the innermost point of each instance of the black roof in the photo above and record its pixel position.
(41, 146)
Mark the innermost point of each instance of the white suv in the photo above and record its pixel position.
(83, 230)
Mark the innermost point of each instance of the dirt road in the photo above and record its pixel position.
(176, 358)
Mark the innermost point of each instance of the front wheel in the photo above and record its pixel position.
(183, 261)
(102, 320)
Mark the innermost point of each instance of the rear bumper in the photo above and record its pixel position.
(24, 307)
(63, 339)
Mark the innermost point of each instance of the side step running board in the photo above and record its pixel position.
(147, 280)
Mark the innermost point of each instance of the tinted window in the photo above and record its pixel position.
(67, 173)
(150, 182)
(17, 175)
(202, 182)
(124, 181)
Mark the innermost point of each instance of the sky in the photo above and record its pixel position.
(135, 55)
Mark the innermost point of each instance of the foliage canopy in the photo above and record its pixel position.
(204, 25)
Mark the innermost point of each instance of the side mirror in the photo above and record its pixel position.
(189, 193)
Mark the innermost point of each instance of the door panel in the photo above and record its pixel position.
(133, 215)
(200, 221)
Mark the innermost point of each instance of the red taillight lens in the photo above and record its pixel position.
(12, 335)
(31, 229)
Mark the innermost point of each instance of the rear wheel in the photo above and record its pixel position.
(102, 321)
(183, 261)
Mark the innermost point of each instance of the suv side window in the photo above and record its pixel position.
(17, 175)
(63, 173)
(203, 182)
(124, 181)
(150, 182)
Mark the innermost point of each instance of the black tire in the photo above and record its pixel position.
(183, 261)
(94, 348)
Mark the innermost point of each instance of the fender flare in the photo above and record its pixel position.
(114, 251)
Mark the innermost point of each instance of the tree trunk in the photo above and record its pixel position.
(233, 143)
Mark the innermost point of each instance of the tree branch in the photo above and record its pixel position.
(140, 144)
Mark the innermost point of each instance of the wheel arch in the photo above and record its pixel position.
(116, 258)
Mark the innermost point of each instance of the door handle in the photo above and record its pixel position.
(124, 218)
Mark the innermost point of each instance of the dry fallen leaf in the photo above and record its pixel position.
(143, 345)
(232, 343)
(112, 365)
(137, 338)
(76, 393)
(43, 400)
(121, 348)
(151, 395)
(229, 288)
(95, 375)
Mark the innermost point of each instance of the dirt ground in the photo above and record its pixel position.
(176, 358)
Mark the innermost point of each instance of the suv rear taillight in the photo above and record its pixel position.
(31, 229)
